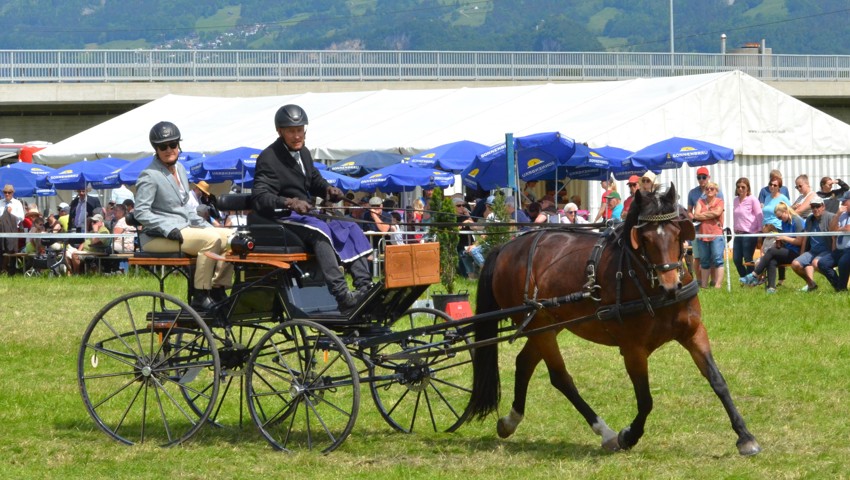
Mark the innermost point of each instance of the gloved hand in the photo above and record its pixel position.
(297, 205)
(175, 235)
(334, 194)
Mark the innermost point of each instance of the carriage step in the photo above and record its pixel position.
(170, 319)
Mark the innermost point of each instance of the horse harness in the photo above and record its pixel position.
(591, 288)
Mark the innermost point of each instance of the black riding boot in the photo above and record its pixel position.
(202, 301)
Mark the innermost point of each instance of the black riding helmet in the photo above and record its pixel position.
(164, 132)
(290, 116)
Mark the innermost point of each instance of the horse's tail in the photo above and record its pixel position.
(485, 360)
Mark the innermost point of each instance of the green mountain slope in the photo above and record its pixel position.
(789, 26)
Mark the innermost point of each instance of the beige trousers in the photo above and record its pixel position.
(196, 241)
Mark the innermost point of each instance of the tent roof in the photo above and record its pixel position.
(730, 109)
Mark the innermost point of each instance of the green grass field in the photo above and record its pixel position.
(785, 357)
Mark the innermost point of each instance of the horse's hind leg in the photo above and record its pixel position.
(526, 362)
(545, 346)
(698, 347)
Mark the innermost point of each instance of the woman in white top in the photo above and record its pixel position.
(802, 205)
(571, 215)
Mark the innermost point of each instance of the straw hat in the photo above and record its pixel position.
(203, 186)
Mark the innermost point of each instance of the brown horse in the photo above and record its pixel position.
(635, 294)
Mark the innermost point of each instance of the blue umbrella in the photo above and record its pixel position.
(538, 155)
(340, 181)
(404, 177)
(40, 171)
(227, 165)
(320, 166)
(451, 157)
(25, 183)
(126, 175)
(366, 162)
(76, 175)
(584, 164)
(675, 151)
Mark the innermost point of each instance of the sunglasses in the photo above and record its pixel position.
(773, 185)
(817, 205)
(711, 189)
(571, 212)
(742, 186)
(165, 146)
(633, 184)
(8, 191)
(646, 180)
(702, 177)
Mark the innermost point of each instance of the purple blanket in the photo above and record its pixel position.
(346, 237)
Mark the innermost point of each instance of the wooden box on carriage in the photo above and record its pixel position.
(414, 264)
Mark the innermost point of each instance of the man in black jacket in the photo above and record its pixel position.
(285, 178)
(79, 213)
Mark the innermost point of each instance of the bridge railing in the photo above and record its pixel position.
(28, 66)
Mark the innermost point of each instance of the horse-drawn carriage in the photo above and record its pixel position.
(151, 368)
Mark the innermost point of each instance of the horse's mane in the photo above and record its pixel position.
(648, 204)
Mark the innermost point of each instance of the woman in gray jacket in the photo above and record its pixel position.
(170, 224)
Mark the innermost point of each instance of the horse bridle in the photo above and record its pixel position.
(653, 269)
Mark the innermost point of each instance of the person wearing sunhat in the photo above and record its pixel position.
(648, 182)
(199, 189)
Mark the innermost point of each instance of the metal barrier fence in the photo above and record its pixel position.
(31, 66)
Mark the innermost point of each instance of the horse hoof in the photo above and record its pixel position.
(503, 430)
(612, 444)
(749, 448)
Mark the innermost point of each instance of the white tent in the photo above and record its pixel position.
(766, 128)
(730, 109)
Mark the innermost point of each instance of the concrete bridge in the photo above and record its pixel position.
(51, 95)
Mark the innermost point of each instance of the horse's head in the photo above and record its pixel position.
(657, 226)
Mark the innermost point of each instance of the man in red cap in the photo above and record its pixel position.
(693, 197)
(634, 184)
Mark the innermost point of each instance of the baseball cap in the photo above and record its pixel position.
(702, 171)
(97, 217)
(510, 201)
(491, 200)
(613, 195)
(64, 206)
(376, 202)
(650, 175)
(458, 201)
(634, 179)
(846, 196)
(816, 200)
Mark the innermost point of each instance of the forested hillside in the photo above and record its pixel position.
(789, 26)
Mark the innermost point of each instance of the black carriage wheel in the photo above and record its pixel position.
(431, 392)
(234, 347)
(138, 357)
(303, 388)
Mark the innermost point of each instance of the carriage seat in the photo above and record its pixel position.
(130, 218)
(269, 235)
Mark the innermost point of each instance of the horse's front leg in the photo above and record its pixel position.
(637, 368)
(698, 347)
